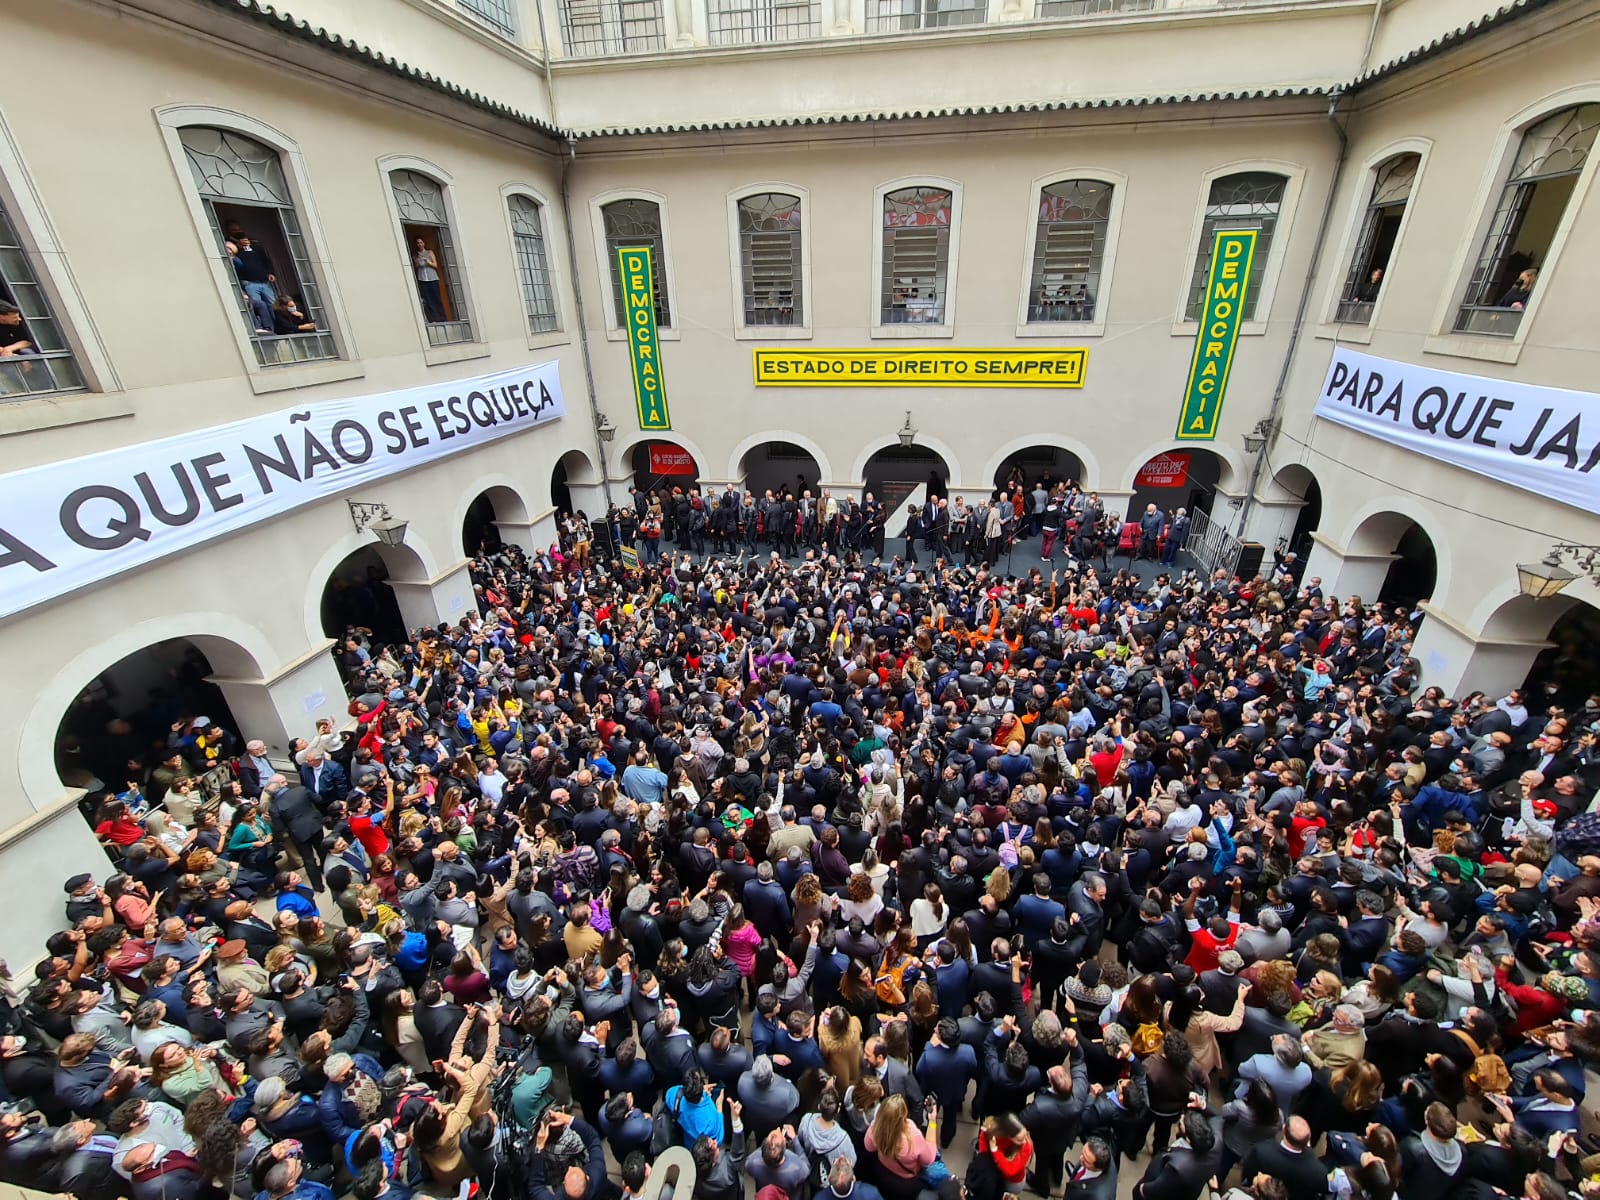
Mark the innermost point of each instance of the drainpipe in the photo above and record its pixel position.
(1270, 424)
(572, 260)
(583, 325)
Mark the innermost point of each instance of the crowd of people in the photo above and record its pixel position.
(797, 866)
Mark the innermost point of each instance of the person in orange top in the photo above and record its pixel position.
(1005, 1139)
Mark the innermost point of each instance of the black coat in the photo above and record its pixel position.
(437, 1024)
(296, 813)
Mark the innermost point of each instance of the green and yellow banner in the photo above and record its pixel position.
(639, 311)
(1220, 316)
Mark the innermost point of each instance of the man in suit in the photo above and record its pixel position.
(1052, 1120)
(897, 1078)
(945, 1069)
(1285, 1069)
(297, 819)
(669, 1049)
(1181, 1172)
(1001, 977)
(324, 777)
(1221, 987)
(1087, 917)
(258, 936)
(767, 904)
(1289, 1158)
(1095, 1175)
(437, 1019)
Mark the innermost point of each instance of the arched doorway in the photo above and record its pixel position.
(136, 708)
(662, 466)
(1415, 570)
(1186, 478)
(1292, 483)
(358, 594)
(1040, 464)
(480, 533)
(570, 467)
(1571, 666)
(780, 467)
(894, 472)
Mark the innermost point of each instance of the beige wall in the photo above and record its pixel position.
(1128, 408)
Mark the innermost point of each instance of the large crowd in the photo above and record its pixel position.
(798, 865)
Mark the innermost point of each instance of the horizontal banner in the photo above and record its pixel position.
(667, 459)
(70, 524)
(1541, 439)
(1055, 368)
(1163, 471)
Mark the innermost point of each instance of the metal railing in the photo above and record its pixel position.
(1211, 545)
(754, 22)
(448, 333)
(899, 16)
(1490, 320)
(283, 349)
(36, 374)
(1354, 312)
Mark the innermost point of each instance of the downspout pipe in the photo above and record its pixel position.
(567, 164)
(1271, 421)
(583, 324)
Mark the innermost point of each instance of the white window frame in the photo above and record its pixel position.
(102, 396)
(1118, 183)
(597, 224)
(1444, 340)
(433, 355)
(1294, 176)
(1355, 219)
(952, 260)
(514, 36)
(555, 263)
(769, 333)
(172, 121)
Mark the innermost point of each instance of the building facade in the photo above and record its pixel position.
(442, 187)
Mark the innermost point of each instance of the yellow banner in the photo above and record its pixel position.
(1051, 368)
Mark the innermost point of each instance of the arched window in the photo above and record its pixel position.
(769, 259)
(431, 250)
(916, 256)
(533, 267)
(42, 361)
(1247, 200)
(250, 209)
(637, 223)
(1391, 189)
(1068, 248)
(1532, 204)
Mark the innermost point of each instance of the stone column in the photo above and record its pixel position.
(1344, 574)
(446, 597)
(1459, 661)
(288, 703)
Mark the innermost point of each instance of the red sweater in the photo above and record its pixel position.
(1010, 1158)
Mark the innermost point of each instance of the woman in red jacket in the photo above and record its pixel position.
(1005, 1139)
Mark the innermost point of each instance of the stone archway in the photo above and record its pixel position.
(1413, 571)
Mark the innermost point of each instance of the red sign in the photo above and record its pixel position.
(1164, 471)
(667, 459)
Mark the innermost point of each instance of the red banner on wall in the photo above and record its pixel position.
(667, 459)
(1164, 471)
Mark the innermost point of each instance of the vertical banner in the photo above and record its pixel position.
(639, 310)
(1220, 315)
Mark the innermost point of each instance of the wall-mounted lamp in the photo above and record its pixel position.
(1548, 577)
(1256, 439)
(376, 518)
(605, 428)
(908, 435)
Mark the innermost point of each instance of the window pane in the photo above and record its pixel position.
(916, 250)
(47, 366)
(434, 266)
(1380, 225)
(1248, 200)
(769, 254)
(894, 16)
(1530, 210)
(527, 233)
(637, 223)
(732, 22)
(1067, 251)
(595, 27)
(229, 166)
(496, 14)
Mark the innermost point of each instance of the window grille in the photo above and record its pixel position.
(1249, 200)
(533, 270)
(421, 204)
(51, 368)
(1391, 189)
(769, 259)
(637, 223)
(916, 256)
(1068, 249)
(590, 28)
(744, 22)
(900, 16)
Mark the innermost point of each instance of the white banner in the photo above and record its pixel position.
(73, 523)
(1541, 439)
